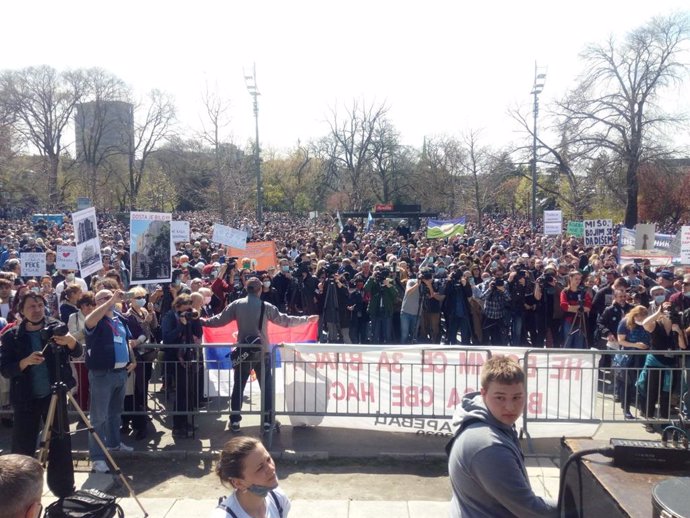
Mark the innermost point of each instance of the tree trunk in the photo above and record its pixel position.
(53, 194)
(631, 191)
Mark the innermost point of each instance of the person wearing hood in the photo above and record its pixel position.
(486, 465)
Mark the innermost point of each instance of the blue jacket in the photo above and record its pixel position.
(100, 346)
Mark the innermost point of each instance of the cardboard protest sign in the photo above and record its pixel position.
(179, 231)
(33, 264)
(66, 258)
(576, 228)
(229, 236)
(88, 242)
(150, 247)
(598, 232)
(553, 222)
(262, 254)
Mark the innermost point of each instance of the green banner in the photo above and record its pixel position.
(576, 228)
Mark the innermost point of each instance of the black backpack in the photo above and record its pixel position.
(85, 503)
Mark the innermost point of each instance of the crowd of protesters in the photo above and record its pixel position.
(498, 283)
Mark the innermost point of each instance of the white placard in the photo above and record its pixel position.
(598, 232)
(88, 242)
(32, 264)
(179, 231)
(149, 234)
(66, 258)
(553, 222)
(229, 236)
(685, 245)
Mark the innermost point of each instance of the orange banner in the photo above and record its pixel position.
(261, 253)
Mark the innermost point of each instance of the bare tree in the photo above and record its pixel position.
(347, 151)
(42, 101)
(614, 106)
(103, 123)
(154, 128)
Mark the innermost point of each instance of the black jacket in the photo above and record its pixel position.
(608, 321)
(16, 346)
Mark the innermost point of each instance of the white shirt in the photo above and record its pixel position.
(63, 284)
(271, 509)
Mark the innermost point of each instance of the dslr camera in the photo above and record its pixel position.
(426, 274)
(382, 275)
(52, 329)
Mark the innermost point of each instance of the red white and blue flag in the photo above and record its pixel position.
(304, 333)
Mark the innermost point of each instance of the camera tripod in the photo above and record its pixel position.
(57, 409)
(579, 325)
(330, 316)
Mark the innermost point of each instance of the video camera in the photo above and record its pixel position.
(546, 279)
(381, 275)
(426, 274)
(52, 329)
(331, 269)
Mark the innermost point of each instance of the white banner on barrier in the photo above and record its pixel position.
(390, 382)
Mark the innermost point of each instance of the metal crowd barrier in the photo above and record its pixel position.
(606, 386)
(564, 385)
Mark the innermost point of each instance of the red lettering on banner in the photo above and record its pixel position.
(470, 363)
(434, 361)
(392, 364)
(566, 369)
(412, 396)
(454, 398)
(351, 361)
(339, 391)
(534, 403)
(325, 360)
(531, 366)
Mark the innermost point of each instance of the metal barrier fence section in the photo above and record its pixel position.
(401, 388)
(581, 386)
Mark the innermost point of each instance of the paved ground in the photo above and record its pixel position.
(325, 471)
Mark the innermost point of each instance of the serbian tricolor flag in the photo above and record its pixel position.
(220, 356)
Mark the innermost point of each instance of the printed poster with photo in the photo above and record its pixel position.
(88, 242)
(150, 244)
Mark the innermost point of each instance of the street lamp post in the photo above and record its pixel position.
(539, 80)
(253, 90)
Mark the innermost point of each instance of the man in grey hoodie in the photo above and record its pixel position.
(486, 465)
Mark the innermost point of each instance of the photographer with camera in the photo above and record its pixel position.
(32, 358)
(576, 303)
(496, 300)
(456, 308)
(302, 296)
(549, 315)
(656, 378)
(518, 289)
(181, 325)
(333, 300)
(382, 295)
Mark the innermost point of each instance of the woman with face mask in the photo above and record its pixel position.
(248, 468)
(142, 321)
(633, 333)
(268, 292)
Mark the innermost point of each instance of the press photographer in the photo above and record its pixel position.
(303, 289)
(496, 301)
(458, 293)
(333, 301)
(576, 303)
(549, 315)
(32, 358)
(382, 299)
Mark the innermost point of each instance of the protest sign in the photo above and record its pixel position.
(685, 245)
(553, 222)
(598, 232)
(88, 242)
(179, 231)
(229, 236)
(661, 252)
(262, 254)
(150, 247)
(66, 258)
(32, 264)
(576, 228)
(644, 236)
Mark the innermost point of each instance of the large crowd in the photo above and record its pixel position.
(497, 283)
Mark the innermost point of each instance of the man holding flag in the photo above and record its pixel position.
(252, 315)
